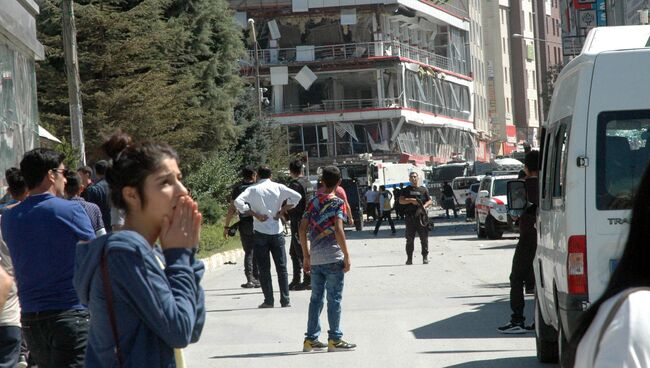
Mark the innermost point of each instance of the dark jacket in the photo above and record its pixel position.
(158, 302)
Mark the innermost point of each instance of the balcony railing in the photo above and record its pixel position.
(338, 105)
(357, 51)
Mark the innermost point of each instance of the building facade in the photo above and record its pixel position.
(497, 33)
(391, 78)
(19, 49)
(479, 74)
(524, 71)
(549, 49)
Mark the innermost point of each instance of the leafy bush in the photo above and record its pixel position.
(211, 184)
(212, 240)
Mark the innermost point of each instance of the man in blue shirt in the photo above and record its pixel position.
(99, 194)
(41, 233)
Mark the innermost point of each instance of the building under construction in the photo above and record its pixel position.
(353, 77)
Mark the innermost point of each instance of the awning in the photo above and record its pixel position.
(43, 133)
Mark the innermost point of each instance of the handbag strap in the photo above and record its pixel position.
(111, 312)
(612, 314)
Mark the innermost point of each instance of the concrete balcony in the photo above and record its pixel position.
(351, 51)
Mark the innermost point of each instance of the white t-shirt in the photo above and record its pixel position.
(626, 342)
(372, 196)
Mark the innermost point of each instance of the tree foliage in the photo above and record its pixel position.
(158, 69)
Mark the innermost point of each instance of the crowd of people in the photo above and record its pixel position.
(76, 292)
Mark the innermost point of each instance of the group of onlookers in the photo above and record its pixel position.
(90, 296)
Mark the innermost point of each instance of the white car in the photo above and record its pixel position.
(461, 185)
(492, 217)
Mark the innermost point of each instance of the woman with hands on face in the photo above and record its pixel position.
(142, 284)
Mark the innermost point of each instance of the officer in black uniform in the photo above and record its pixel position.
(415, 199)
(249, 177)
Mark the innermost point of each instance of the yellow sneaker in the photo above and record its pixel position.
(310, 345)
(340, 345)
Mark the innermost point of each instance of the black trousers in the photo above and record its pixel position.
(247, 236)
(57, 338)
(522, 266)
(267, 245)
(385, 216)
(295, 250)
(372, 210)
(413, 227)
(10, 338)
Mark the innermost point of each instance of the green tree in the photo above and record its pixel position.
(158, 69)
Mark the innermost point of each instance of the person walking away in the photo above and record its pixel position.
(397, 192)
(99, 195)
(415, 199)
(85, 173)
(522, 261)
(145, 299)
(41, 233)
(264, 201)
(327, 259)
(72, 190)
(246, 233)
(613, 332)
(340, 192)
(300, 184)
(385, 209)
(371, 203)
(449, 199)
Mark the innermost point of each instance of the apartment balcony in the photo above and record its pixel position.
(356, 51)
(353, 110)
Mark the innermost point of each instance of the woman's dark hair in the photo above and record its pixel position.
(132, 164)
(632, 269)
(37, 163)
(295, 167)
(16, 182)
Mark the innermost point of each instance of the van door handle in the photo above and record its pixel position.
(582, 161)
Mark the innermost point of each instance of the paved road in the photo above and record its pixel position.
(439, 315)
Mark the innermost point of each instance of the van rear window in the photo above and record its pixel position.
(623, 147)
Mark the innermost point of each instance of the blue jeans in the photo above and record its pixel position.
(326, 277)
(266, 246)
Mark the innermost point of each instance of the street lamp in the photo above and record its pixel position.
(251, 24)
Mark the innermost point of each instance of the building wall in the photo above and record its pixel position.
(479, 71)
(496, 24)
(18, 106)
(549, 47)
(524, 70)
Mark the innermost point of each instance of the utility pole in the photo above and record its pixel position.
(72, 71)
(251, 24)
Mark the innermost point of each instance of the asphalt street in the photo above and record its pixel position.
(443, 314)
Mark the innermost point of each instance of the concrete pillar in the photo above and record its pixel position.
(278, 98)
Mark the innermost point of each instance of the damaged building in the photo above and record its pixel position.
(351, 77)
(19, 49)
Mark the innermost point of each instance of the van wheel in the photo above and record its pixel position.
(480, 232)
(491, 228)
(545, 338)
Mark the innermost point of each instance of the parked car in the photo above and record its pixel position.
(492, 217)
(470, 201)
(595, 148)
(461, 185)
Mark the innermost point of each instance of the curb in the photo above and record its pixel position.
(216, 261)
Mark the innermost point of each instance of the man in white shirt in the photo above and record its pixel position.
(372, 199)
(265, 201)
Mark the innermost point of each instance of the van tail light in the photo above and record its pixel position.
(577, 264)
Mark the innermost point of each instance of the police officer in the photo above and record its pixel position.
(415, 200)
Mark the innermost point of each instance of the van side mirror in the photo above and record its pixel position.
(483, 194)
(517, 197)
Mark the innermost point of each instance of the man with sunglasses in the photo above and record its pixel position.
(41, 233)
(415, 199)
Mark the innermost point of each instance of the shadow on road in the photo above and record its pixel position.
(468, 351)
(235, 294)
(507, 246)
(480, 322)
(230, 310)
(258, 355)
(501, 363)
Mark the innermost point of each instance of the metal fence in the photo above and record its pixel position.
(348, 51)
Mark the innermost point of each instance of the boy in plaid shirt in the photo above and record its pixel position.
(327, 260)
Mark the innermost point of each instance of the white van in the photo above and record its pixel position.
(595, 148)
